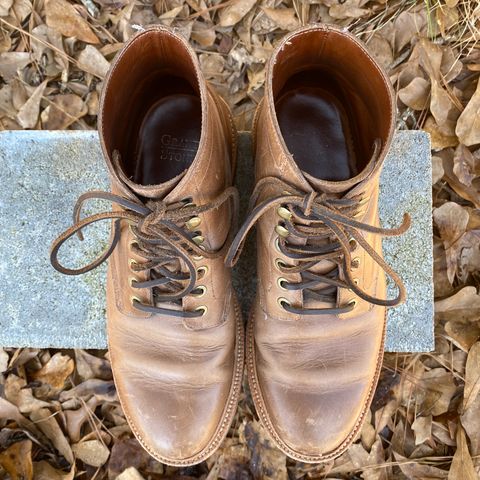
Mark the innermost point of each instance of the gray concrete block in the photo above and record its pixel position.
(43, 173)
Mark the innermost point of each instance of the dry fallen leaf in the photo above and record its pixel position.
(472, 376)
(462, 465)
(234, 12)
(468, 125)
(63, 111)
(17, 461)
(89, 366)
(271, 462)
(47, 423)
(451, 220)
(130, 474)
(17, 393)
(44, 471)
(381, 50)
(12, 62)
(414, 470)
(284, 18)
(437, 169)
(422, 426)
(28, 115)
(63, 17)
(92, 452)
(465, 165)
(56, 371)
(92, 61)
(3, 360)
(415, 94)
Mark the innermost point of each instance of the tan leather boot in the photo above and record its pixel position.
(174, 326)
(316, 333)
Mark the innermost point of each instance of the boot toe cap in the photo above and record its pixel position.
(176, 425)
(314, 424)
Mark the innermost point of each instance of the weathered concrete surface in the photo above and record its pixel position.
(43, 173)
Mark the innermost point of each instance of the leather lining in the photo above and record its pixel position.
(316, 124)
(168, 139)
(331, 77)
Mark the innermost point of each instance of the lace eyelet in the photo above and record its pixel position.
(203, 291)
(203, 309)
(280, 282)
(282, 231)
(356, 262)
(188, 202)
(353, 243)
(202, 271)
(131, 280)
(279, 263)
(284, 213)
(132, 262)
(193, 223)
(277, 245)
(132, 243)
(198, 239)
(355, 281)
(134, 299)
(282, 302)
(352, 303)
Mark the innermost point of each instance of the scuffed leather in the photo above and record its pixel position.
(313, 377)
(178, 379)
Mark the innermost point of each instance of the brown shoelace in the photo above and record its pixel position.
(327, 230)
(158, 239)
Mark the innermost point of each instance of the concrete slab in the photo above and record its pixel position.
(43, 173)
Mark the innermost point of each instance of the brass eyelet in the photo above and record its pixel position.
(277, 245)
(284, 213)
(279, 263)
(282, 231)
(356, 262)
(131, 280)
(203, 290)
(282, 302)
(203, 309)
(202, 271)
(352, 303)
(353, 243)
(198, 239)
(134, 299)
(188, 202)
(132, 243)
(131, 262)
(193, 223)
(280, 281)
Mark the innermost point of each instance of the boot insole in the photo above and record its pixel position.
(316, 131)
(168, 139)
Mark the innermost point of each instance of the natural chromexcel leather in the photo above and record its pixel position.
(316, 333)
(174, 327)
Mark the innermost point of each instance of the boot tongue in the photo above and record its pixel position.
(337, 190)
(324, 186)
(159, 191)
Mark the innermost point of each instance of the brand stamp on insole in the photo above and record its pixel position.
(177, 149)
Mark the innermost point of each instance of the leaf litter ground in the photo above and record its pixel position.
(59, 414)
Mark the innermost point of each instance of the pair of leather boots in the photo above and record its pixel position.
(315, 337)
